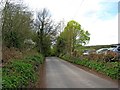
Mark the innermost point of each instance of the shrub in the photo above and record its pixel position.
(109, 68)
(17, 74)
(111, 56)
(20, 73)
(10, 53)
(108, 57)
(35, 58)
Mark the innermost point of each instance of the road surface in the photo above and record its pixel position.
(62, 74)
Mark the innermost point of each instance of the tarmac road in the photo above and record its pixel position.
(62, 74)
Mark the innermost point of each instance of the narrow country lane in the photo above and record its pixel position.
(61, 74)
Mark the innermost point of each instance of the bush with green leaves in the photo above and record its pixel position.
(109, 68)
(20, 73)
(35, 58)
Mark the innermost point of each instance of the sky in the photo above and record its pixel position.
(98, 17)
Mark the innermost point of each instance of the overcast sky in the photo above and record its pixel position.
(99, 17)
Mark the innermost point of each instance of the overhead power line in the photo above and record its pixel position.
(78, 9)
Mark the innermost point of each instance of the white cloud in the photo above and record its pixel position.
(102, 31)
(119, 28)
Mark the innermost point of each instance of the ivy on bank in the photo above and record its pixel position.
(20, 73)
(111, 69)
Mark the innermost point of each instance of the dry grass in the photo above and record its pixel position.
(108, 57)
(14, 53)
(10, 53)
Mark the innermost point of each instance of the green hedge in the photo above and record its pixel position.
(20, 73)
(111, 69)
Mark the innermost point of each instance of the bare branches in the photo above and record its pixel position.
(45, 23)
(46, 28)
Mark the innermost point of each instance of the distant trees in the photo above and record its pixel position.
(72, 38)
(16, 25)
(60, 45)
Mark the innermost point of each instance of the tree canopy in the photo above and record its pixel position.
(18, 26)
(72, 38)
(46, 31)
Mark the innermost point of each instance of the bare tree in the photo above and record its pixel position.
(45, 27)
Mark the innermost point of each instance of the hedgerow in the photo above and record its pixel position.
(20, 73)
(111, 69)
